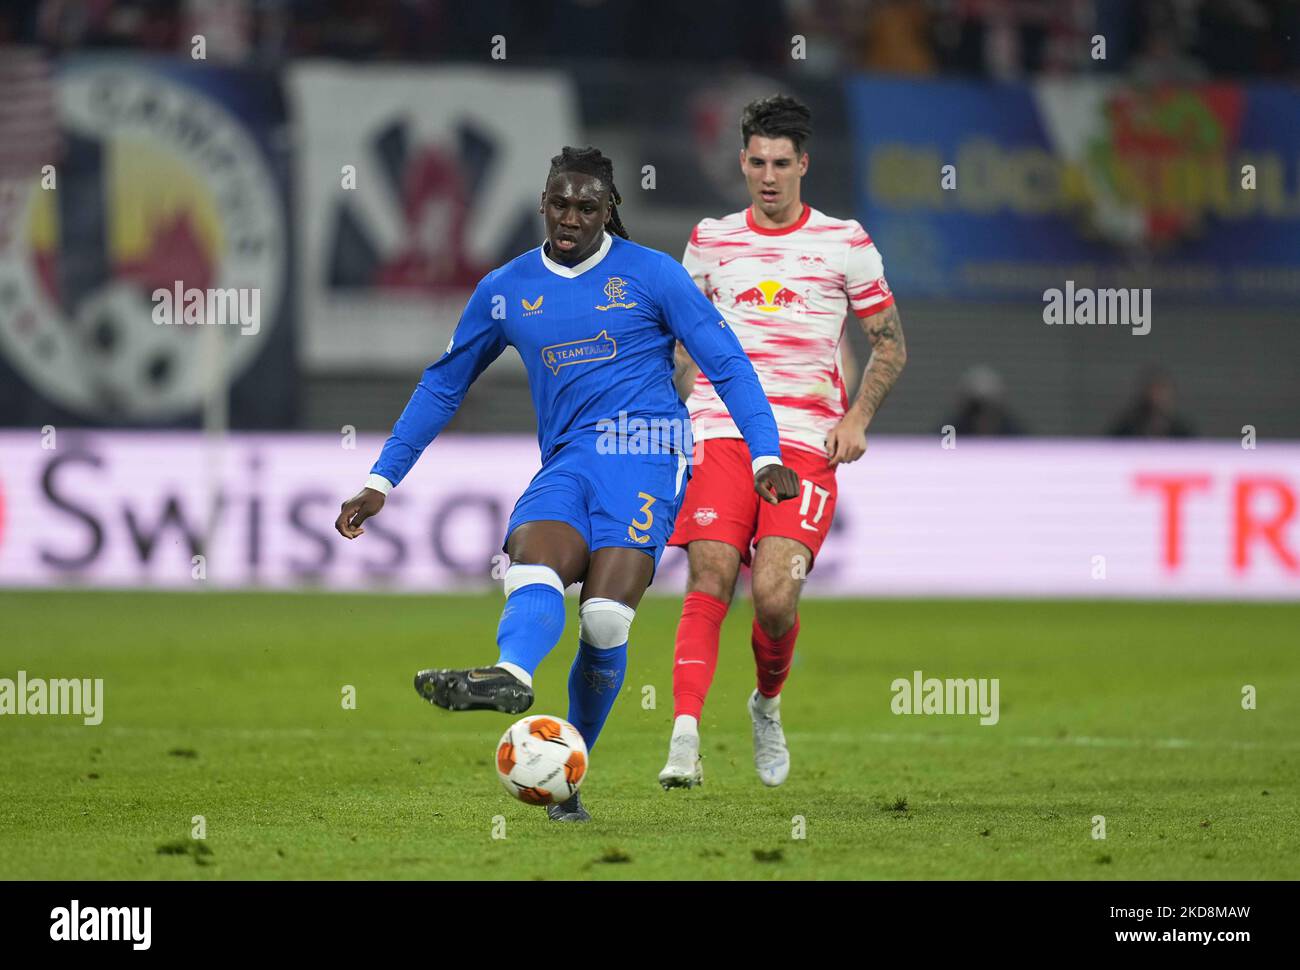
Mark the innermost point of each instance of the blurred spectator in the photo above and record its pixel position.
(898, 38)
(981, 407)
(1152, 415)
(29, 133)
(1007, 39)
(1236, 37)
(225, 25)
(147, 24)
(1115, 22)
(1158, 40)
(826, 26)
(1165, 37)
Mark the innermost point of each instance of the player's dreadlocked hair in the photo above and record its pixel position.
(590, 161)
(777, 116)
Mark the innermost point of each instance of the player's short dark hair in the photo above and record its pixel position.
(777, 116)
(593, 162)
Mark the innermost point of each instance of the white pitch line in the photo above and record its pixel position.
(432, 735)
(1077, 741)
(179, 734)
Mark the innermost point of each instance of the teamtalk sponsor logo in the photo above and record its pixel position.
(102, 924)
(586, 351)
(83, 697)
(179, 305)
(930, 695)
(626, 435)
(1087, 306)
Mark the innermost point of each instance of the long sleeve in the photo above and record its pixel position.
(477, 342)
(695, 321)
(694, 264)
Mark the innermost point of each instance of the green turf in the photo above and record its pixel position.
(229, 706)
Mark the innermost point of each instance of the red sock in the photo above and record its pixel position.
(772, 658)
(695, 657)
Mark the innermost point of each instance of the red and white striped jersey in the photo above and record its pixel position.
(785, 293)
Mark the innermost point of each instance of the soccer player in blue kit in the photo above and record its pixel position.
(595, 319)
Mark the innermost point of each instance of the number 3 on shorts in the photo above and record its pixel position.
(638, 524)
(649, 516)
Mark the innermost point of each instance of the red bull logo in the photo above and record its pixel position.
(769, 296)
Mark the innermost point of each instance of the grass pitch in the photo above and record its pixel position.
(229, 706)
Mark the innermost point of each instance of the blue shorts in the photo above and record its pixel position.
(620, 500)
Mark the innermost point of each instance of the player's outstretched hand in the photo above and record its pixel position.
(776, 483)
(356, 510)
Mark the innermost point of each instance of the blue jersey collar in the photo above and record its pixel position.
(569, 272)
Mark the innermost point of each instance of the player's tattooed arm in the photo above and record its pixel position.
(847, 441)
(888, 355)
(685, 372)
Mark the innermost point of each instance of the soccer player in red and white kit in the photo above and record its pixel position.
(783, 276)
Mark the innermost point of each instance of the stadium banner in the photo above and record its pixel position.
(997, 191)
(165, 176)
(413, 184)
(1008, 518)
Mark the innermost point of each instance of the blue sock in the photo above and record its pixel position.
(594, 683)
(531, 625)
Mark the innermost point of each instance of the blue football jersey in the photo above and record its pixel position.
(597, 341)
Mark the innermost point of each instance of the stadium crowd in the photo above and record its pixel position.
(1161, 39)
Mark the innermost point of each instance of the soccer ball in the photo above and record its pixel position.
(541, 759)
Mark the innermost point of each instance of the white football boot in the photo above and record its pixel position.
(771, 756)
(683, 769)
